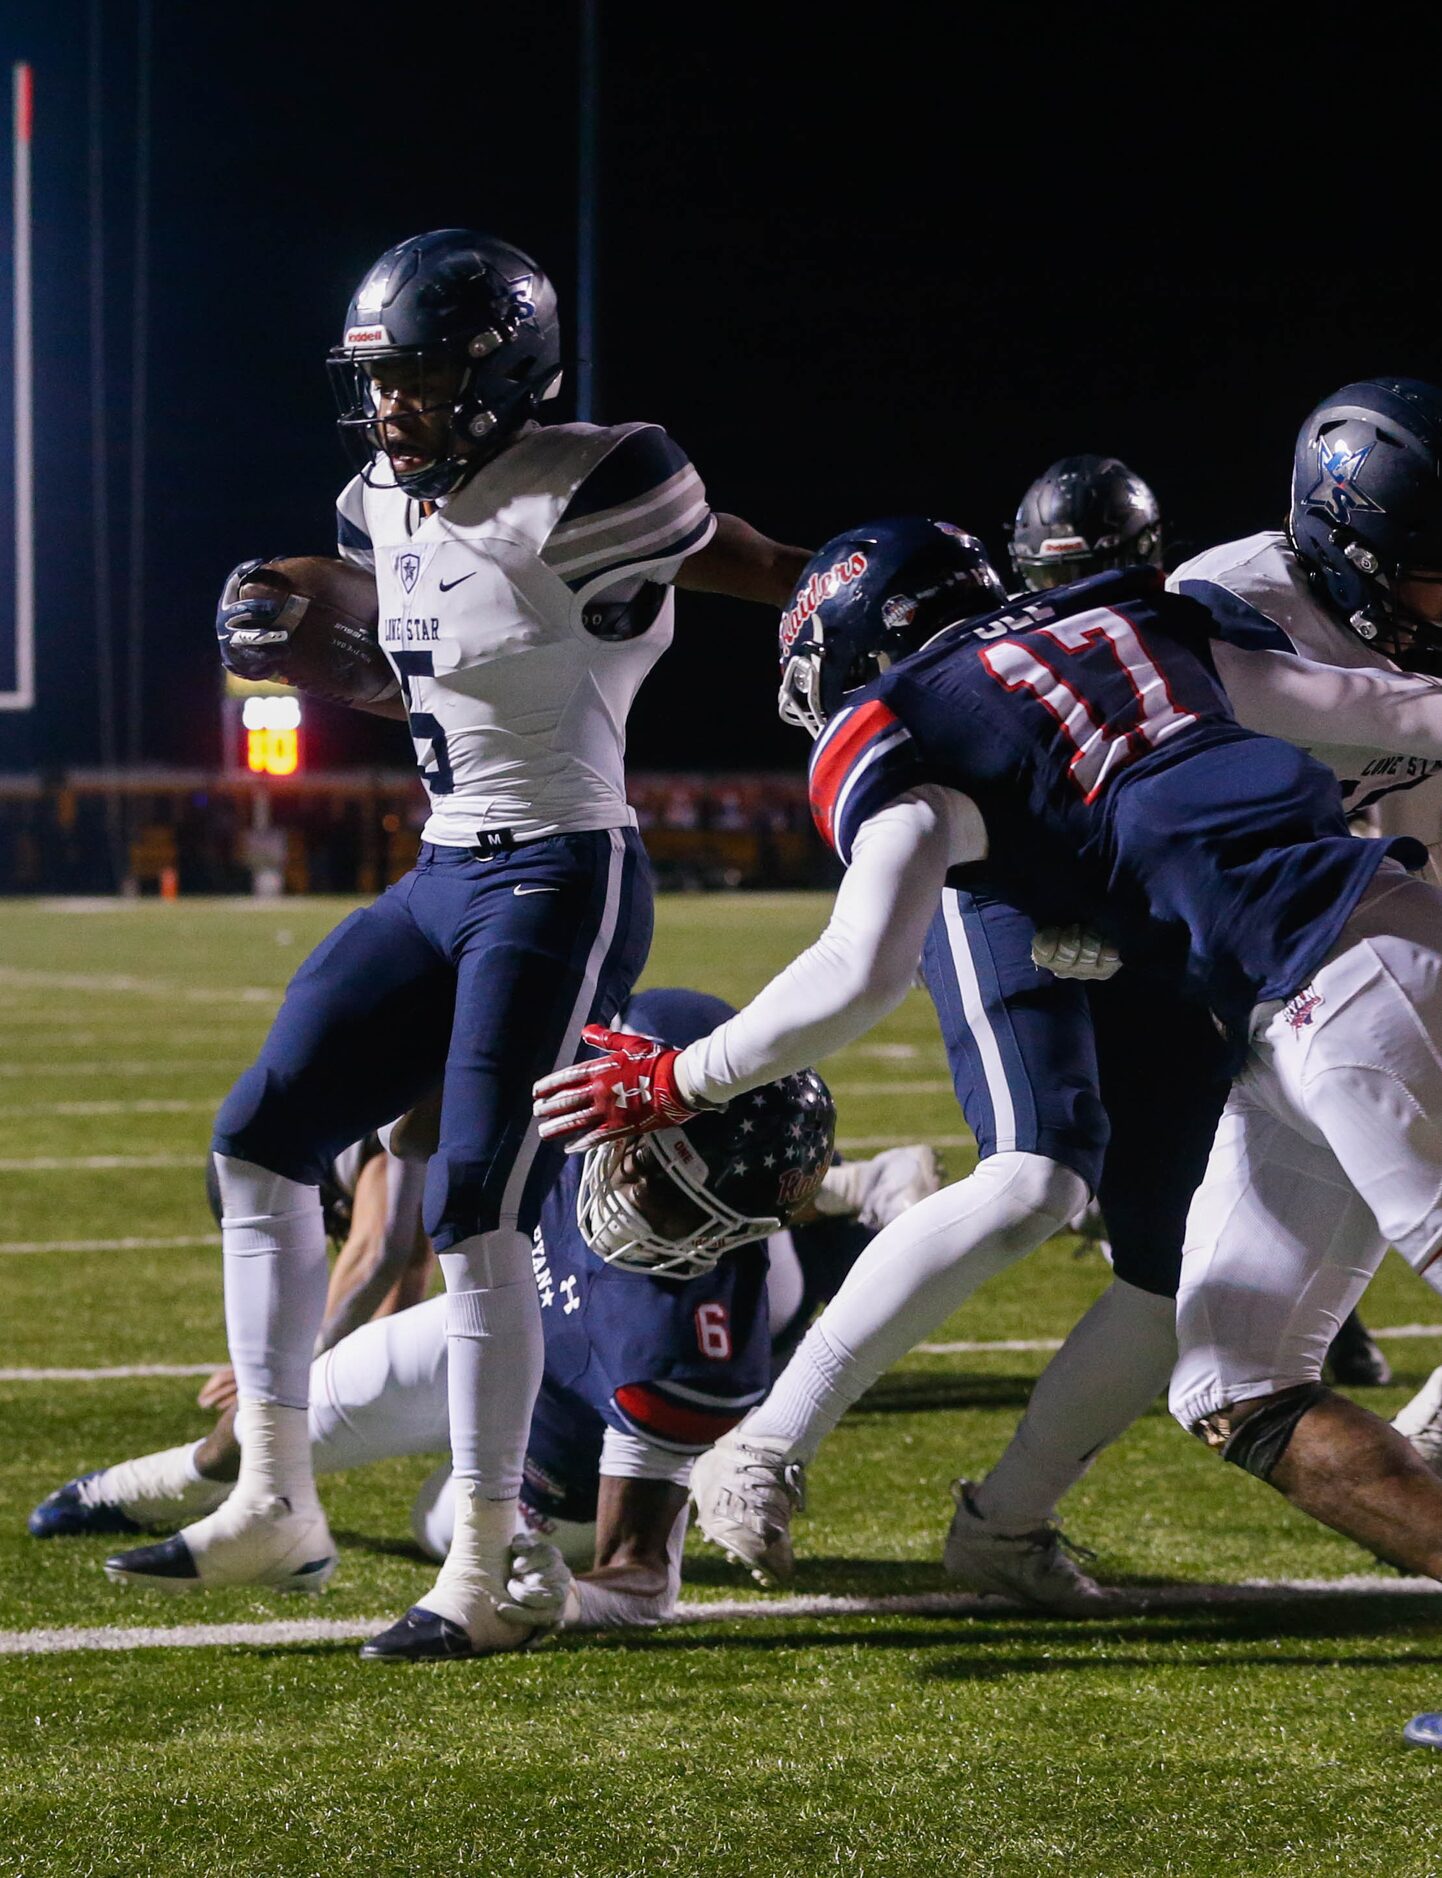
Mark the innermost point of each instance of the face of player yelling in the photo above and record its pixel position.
(414, 399)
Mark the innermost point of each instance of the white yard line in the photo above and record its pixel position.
(1002, 1345)
(120, 1374)
(934, 1085)
(1259, 1592)
(20, 1247)
(111, 984)
(93, 1163)
(182, 1066)
(155, 1105)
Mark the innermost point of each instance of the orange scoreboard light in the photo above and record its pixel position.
(264, 720)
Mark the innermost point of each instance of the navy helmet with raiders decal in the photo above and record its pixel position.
(869, 598)
(1366, 514)
(672, 1203)
(450, 342)
(1085, 515)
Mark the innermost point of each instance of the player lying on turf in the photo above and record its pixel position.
(513, 588)
(1080, 754)
(641, 1369)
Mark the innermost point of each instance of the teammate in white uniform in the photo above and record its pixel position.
(1248, 1376)
(523, 579)
(1294, 666)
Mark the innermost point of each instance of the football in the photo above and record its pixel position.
(333, 651)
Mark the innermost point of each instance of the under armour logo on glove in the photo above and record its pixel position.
(630, 1090)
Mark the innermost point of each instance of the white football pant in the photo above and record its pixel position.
(1329, 1151)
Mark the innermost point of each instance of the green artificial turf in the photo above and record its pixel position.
(1202, 1738)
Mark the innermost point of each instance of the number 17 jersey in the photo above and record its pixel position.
(1116, 788)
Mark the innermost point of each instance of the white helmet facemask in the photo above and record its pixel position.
(616, 1230)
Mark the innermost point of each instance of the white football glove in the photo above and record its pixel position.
(540, 1592)
(881, 1189)
(1074, 952)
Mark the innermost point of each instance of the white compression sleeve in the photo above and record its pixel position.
(273, 1254)
(862, 965)
(1110, 1370)
(1284, 696)
(605, 1609)
(912, 1276)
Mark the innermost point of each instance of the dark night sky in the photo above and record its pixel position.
(854, 270)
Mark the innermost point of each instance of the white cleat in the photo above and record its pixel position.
(745, 1491)
(267, 1542)
(1421, 1421)
(1031, 1568)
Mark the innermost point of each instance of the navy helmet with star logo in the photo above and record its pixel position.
(1367, 509)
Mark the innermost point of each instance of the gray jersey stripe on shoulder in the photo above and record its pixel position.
(673, 523)
(583, 536)
(1236, 620)
(666, 545)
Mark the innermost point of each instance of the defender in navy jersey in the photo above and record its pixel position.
(642, 1370)
(523, 580)
(1084, 751)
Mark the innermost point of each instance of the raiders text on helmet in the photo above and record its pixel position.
(1367, 509)
(868, 599)
(1085, 515)
(467, 324)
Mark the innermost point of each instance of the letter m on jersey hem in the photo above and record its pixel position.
(864, 759)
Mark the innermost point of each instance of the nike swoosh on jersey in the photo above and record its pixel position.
(518, 891)
(446, 585)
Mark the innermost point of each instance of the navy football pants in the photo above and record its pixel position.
(481, 971)
(1120, 1081)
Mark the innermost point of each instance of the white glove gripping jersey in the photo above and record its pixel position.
(1291, 670)
(504, 616)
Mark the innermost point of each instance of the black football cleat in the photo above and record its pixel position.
(1354, 1359)
(170, 1565)
(421, 1636)
(74, 1511)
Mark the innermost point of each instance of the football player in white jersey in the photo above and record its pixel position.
(893, 1299)
(1328, 634)
(523, 578)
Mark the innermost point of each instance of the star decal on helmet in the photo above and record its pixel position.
(1336, 489)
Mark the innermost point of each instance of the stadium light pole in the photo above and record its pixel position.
(139, 394)
(586, 212)
(22, 697)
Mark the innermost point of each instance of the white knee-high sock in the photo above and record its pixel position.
(1109, 1371)
(494, 1354)
(910, 1278)
(273, 1248)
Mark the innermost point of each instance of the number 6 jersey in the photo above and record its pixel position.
(522, 615)
(1115, 787)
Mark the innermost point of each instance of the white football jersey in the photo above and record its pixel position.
(522, 615)
(1293, 670)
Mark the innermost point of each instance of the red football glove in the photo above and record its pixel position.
(631, 1090)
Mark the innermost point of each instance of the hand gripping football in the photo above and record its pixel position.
(308, 621)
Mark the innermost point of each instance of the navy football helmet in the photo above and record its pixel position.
(868, 599)
(671, 1203)
(466, 327)
(1087, 514)
(1367, 509)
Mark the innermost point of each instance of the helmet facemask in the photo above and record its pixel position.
(645, 1206)
(460, 415)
